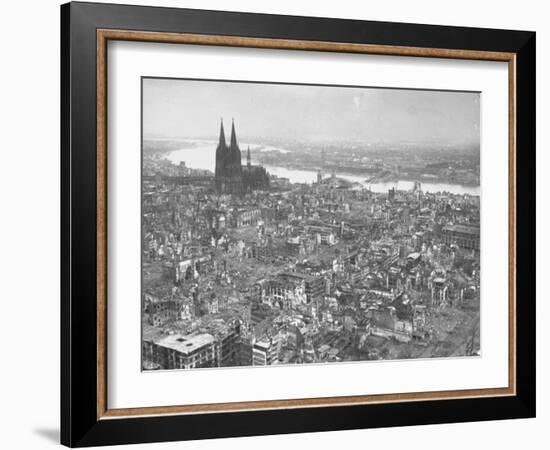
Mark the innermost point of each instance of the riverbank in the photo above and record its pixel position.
(203, 157)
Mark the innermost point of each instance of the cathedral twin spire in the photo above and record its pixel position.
(233, 145)
(222, 135)
(231, 177)
(233, 136)
(228, 164)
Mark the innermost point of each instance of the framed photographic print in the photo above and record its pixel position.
(276, 224)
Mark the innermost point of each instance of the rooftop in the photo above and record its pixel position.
(296, 275)
(264, 345)
(468, 229)
(186, 344)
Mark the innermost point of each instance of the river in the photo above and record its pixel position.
(202, 156)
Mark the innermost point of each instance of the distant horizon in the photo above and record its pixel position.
(260, 140)
(192, 109)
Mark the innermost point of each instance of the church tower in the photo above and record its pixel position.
(234, 166)
(232, 177)
(228, 172)
(233, 145)
(221, 156)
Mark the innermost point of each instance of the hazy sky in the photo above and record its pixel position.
(188, 108)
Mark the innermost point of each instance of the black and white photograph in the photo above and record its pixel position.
(288, 224)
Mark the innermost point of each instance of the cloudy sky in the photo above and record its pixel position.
(189, 108)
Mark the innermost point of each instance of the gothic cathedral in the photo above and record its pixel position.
(231, 176)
